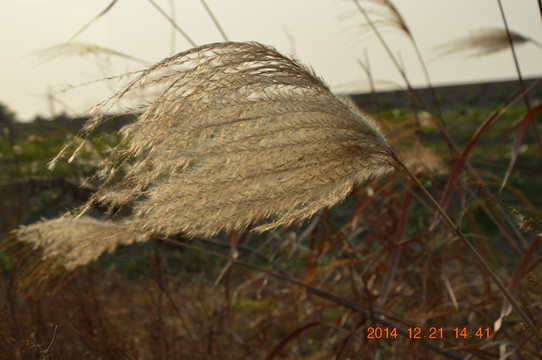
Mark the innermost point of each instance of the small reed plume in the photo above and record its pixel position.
(82, 49)
(75, 242)
(484, 42)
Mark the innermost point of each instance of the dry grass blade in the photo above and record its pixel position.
(241, 135)
(484, 42)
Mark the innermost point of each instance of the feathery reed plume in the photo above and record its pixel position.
(74, 242)
(484, 42)
(241, 136)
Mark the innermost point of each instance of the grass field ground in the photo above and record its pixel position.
(375, 256)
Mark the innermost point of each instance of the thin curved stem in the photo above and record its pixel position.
(173, 23)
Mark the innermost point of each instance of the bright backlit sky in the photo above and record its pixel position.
(322, 33)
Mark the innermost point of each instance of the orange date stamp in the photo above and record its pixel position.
(430, 333)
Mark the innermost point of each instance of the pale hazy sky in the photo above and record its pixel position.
(322, 33)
